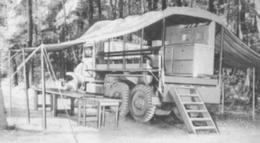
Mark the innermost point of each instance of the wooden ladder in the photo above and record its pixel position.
(192, 109)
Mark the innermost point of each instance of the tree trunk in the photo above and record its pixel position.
(121, 8)
(164, 4)
(142, 6)
(14, 68)
(99, 9)
(211, 6)
(155, 4)
(113, 7)
(191, 3)
(150, 5)
(29, 44)
(3, 121)
(238, 31)
(179, 3)
(62, 64)
(30, 23)
(129, 7)
(91, 12)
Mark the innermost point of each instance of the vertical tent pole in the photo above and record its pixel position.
(161, 58)
(93, 57)
(10, 82)
(253, 102)
(26, 87)
(43, 90)
(220, 72)
(141, 47)
(108, 55)
(142, 37)
(162, 68)
(124, 50)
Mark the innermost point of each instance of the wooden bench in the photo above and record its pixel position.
(60, 94)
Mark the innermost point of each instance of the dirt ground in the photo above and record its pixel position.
(233, 128)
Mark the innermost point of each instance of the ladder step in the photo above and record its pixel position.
(205, 128)
(189, 95)
(183, 87)
(200, 119)
(196, 111)
(193, 103)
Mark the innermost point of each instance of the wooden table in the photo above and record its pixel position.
(101, 104)
(56, 93)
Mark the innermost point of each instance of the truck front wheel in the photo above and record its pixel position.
(140, 103)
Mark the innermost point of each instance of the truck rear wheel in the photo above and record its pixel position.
(120, 90)
(140, 103)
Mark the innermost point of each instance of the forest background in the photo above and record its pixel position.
(27, 23)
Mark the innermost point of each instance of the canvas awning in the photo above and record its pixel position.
(235, 51)
(134, 23)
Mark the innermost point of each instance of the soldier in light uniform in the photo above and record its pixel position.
(83, 72)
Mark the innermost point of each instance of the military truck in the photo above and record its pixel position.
(147, 60)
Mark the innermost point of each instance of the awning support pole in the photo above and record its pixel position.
(253, 102)
(141, 47)
(10, 83)
(220, 72)
(124, 50)
(163, 51)
(26, 87)
(44, 125)
(108, 55)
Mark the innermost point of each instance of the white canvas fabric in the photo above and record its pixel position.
(236, 53)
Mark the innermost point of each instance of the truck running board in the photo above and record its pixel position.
(192, 109)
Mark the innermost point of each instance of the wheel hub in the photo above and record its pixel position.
(139, 103)
(117, 94)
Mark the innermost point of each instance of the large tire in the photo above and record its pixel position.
(120, 90)
(140, 103)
